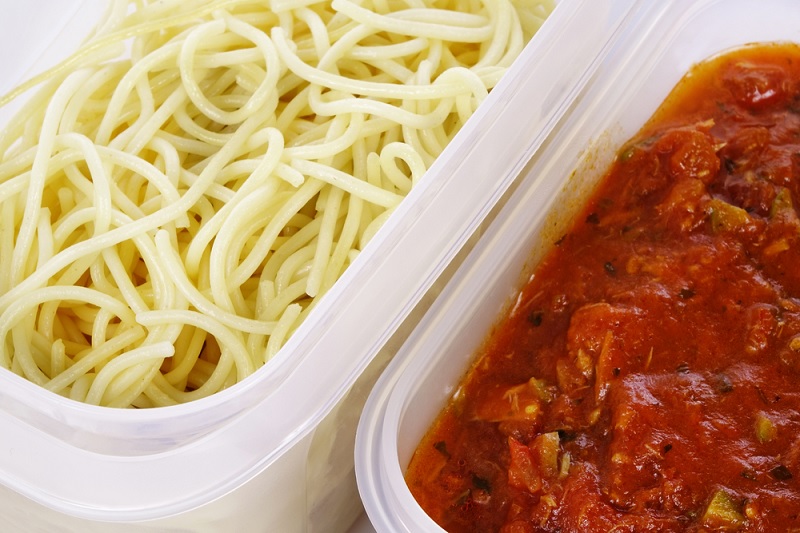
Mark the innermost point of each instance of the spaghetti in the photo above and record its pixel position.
(177, 194)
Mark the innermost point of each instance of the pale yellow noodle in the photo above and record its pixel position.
(94, 357)
(122, 362)
(182, 283)
(287, 320)
(324, 243)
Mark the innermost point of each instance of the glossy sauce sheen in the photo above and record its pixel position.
(648, 378)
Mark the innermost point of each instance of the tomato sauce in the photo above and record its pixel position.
(648, 378)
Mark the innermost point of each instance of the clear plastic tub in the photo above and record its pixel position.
(660, 41)
(275, 452)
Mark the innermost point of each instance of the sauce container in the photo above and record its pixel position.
(658, 43)
(275, 452)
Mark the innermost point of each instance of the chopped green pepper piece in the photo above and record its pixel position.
(542, 391)
(782, 202)
(547, 446)
(765, 429)
(723, 511)
(563, 470)
(726, 217)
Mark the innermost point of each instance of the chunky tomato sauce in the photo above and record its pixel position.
(649, 377)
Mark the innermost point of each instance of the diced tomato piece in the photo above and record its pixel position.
(761, 326)
(756, 86)
(691, 153)
(522, 471)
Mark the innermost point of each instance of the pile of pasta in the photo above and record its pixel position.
(177, 194)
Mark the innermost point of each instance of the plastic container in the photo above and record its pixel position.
(275, 452)
(660, 41)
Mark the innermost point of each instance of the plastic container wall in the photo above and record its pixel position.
(660, 41)
(275, 452)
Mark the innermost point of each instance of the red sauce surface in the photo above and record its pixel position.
(649, 377)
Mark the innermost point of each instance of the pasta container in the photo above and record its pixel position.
(275, 452)
(659, 42)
